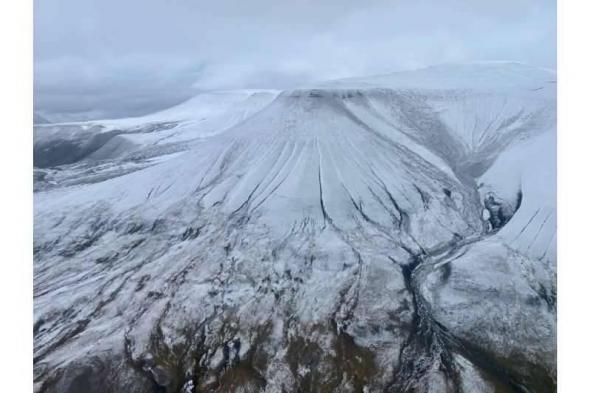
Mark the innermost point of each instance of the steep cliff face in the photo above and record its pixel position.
(381, 234)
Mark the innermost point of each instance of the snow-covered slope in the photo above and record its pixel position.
(203, 115)
(507, 76)
(391, 233)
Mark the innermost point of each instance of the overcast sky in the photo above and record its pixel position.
(114, 58)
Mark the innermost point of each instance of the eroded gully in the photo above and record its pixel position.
(429, 356)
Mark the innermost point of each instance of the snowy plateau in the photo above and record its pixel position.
(394, 233)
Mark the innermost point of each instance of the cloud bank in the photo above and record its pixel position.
(110, 58)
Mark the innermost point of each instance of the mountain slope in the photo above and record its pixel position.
(370, 234)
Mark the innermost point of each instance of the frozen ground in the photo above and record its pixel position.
(392, 233)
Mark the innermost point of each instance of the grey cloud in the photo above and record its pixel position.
(114, 58)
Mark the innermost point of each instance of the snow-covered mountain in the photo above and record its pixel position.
(391, 233)
(38, 119)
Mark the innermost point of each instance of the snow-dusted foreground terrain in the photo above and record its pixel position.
(394, 233)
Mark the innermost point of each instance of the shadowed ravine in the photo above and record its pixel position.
(432, 348)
